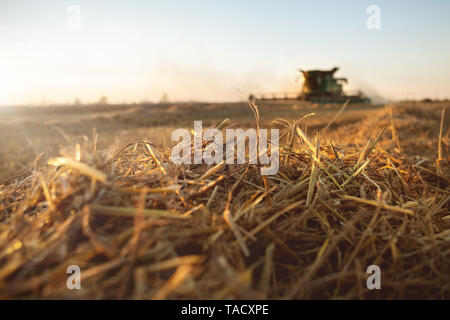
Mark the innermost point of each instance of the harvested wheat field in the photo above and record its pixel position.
(346, 196)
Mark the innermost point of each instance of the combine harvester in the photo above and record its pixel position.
(319, 86)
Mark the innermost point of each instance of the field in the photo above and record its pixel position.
(93, 186)
(45, 131)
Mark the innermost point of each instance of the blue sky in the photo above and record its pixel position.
(133, 50)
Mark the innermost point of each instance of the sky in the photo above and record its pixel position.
(55, 51)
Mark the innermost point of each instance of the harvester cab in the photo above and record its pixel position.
(321, 83)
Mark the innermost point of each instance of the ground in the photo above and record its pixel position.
(368, 187)
(29, 132)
